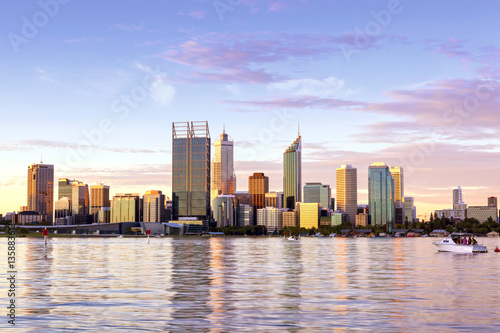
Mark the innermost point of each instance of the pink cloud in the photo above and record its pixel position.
(197, 14)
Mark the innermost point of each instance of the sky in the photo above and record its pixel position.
(93, 87)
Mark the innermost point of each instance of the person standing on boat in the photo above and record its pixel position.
(464, 242)
(469, 242)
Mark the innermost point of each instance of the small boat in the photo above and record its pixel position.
(119, 236)
(453, 243)
(292, 238)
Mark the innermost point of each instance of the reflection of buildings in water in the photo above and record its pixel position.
(221, 259)
(190, 285)
(36, 271)
(340, 277)
(292, 271)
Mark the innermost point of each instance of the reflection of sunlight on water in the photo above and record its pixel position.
(261, 284)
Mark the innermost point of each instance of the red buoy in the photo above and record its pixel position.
(45, 232)
(497, 249)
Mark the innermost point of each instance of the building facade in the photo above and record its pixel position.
(271, 218)
(409, 209)
(223, 176)
(191, 170)
(273, 199)
(99, 201)
(245, 215)
(290, 219)
(41, 190)
(126, 207)
(397, 173)
(153, 207)
(309, 214)
(381, 195)
(347, 192)
(317, 193)
(258, 186)
(292, 174)
(224, 210)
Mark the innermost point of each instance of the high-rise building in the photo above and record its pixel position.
(153, 206)
(41, 190)
(223, 177)
(99, 201)
(381, 195)
(347, 192)
(309, 214)
(409, 207)
(243, 198)
(191, 170)
(492, 202)
(258, 186)
(397, 173)
(125, 207)
(274, 199)
(317, 193)
(224, 210)
(292, 174)
(271, 218)
(290, 219)
(65, 188)
(80, 198)
(63, 207)
(338, 217)
(245, 215)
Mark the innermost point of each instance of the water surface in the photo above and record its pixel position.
(252, 284)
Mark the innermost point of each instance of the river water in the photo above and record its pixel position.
(251, 284)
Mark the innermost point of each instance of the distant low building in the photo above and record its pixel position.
(362, 220)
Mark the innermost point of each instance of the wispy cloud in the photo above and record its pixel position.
(43, 75)
(243, 57)
(197, 14)
(128, 27)
(28, 145)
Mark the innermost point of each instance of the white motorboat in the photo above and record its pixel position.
(292, 238)
(454, 243)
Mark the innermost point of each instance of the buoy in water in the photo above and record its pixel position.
(497, 249)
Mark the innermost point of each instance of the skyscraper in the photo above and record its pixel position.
(317, 193)
(153, 207)
(80, 198)
(292, 174)
(125, 208)
(65, 188)
(99, 203)
(191, 170)
(397, 173)
(41, 190)
(223, 177)
(381, 195)
(347, 192)
(258, 186)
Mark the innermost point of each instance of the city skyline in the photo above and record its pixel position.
(260, 68)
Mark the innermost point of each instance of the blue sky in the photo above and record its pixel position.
(367, 80)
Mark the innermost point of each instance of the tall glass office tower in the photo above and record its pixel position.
(399, 188)
(347, 192)
(41, 190)
(191, 170)
(381, 195)
(223, 177)
(292, 174)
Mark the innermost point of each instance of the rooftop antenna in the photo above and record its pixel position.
(41, 159)
(298, 126)
(223, 128)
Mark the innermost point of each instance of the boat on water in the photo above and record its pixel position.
(292, 238)
(454, 243)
